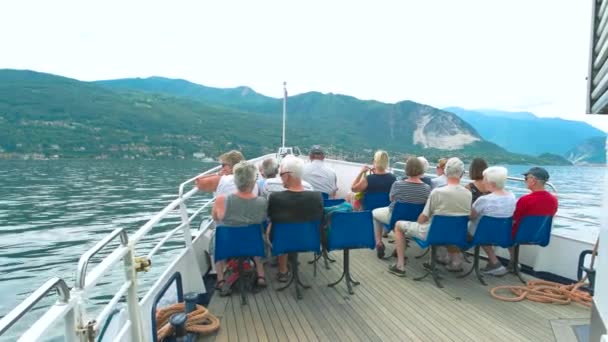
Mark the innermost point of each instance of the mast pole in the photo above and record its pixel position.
(284, 110)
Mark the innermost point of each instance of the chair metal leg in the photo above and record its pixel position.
(314, 263)
(241, 281)
(432, 270)
(472, 267)
(295, 276)
(426, 251)
(465, 256)
(346, 274)
(516, 264)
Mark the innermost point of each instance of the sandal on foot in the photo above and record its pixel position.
(220, 284)
(380, 250)
(396, 271)
(260, 282)
(283, 277)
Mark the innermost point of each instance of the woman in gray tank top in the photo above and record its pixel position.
(241, 208)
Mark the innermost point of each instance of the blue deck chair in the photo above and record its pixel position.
(325, 195)
(292, 238)
(491, 231)
(533, 230)
(444, 231)
(375, 200)
(326, 259)
(242, 243)
(332, 202)
(403, 211)
(349, 231)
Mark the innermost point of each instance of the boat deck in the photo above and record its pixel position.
(388, 308)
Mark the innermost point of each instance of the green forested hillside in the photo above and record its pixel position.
(48, 116)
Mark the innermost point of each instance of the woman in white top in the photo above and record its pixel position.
(222, 183)
(499, 203)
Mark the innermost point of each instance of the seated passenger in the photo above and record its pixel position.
(294, 205)
(268, 169)
(450, 200)
(425, 166)
(379, 180)
(441, 179)
(222, 183)
(241, 208)
(321, 177)
(275, 184)
(539, 202)
(408, 190)
(477, 186)
(499, 203)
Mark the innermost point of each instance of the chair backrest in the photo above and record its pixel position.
(325, 195)
(403, 211)
(375, 200)
(332, 202)
(494, 231)
(534, 230)
(448, 230)
(234, 242)
(351, 230)
(296, 237)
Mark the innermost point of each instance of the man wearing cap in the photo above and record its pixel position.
(539, 202)
(321, 177)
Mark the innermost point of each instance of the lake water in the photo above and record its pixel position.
(53, 211)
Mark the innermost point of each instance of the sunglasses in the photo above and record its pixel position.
(282, 173)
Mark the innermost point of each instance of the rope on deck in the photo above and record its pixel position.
(200, 321)
(549, 292)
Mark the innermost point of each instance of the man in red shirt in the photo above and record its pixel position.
(539, 202)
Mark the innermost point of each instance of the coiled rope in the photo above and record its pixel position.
(200, 321)
(543, 291)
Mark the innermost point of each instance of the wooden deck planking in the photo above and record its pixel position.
(385, 308)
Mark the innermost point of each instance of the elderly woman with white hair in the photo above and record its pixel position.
(499, 203)
(238, 209)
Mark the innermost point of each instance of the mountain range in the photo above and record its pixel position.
(524, 132)
(45, 115)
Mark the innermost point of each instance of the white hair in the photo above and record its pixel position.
(454, 168)
(293, 165)
(244, 176)
(425, 163)
(496, 175)
(269, 167)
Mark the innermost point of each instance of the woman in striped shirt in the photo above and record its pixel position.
(409, 190)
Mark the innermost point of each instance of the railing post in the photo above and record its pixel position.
(132, 297)
(69, 322)
(183, 211)
(80, 320)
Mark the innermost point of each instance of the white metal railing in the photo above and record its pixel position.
(71, 306)
(54, 283)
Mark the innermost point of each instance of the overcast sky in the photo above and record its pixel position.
(508, 55)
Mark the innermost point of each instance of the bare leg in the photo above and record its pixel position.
(282, 263)
(259, 267)
(219, 270)
(400, 248)
(491, 255)
(378, 228)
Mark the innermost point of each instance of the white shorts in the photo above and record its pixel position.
(413, 229)
(382, 215)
